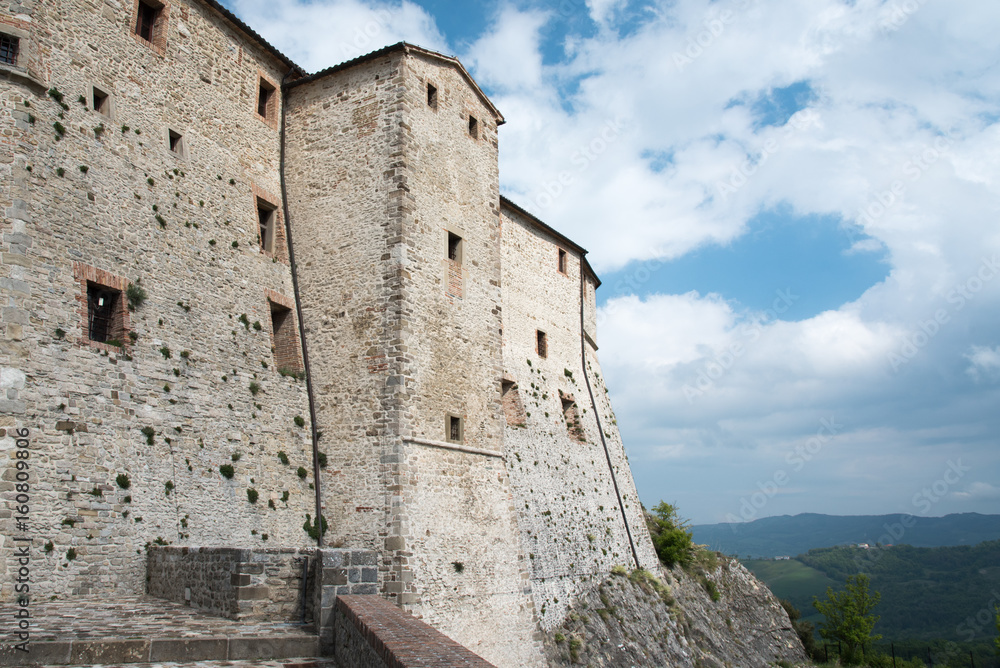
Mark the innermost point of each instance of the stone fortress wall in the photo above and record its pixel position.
(471, 463)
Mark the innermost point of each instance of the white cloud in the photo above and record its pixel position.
(321, 33)
(979, 491)
(984, 363)
(507, 58)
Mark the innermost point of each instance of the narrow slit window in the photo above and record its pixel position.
(265, 99)
(265, 220)
(473, 127)
(432, 96)
(562, 261)
(176, 141)
(454, 247)
(541, 343)
(101, 102)
(145, 22)
(284, 338)
(105, 317)
(8, 49)
(454, 427)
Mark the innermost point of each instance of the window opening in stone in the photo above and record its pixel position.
(265, 99)
(473, 127)
(101, 102)
(454, 247)
(454, 429)
(572, 417)
(542, 344)
(432, 96)
(8, 49)
(265, 220)
(176, 142)
(285, 338)
(513, 408)
(562, 261)
(145, 23)
(105, 319)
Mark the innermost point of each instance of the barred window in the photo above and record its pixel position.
(8, 49)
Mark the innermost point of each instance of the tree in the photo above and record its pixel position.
(848, 617)
(803, 628)
(670, 535)
(996, 641)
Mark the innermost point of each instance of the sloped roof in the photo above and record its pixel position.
(561, 238)
(405, 47)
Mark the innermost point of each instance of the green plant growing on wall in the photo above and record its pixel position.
(245, 320)
(148, 432)
(313, 529)
(458, 566)
(270, 504)
(301, 472)
(252, 495)
(136, 296)
(84, 169)
(149, 180)
(168, 487)
(68, 522)
(321, 456)
(227, 471)
(161, 220)
(284, 496)
(49, 546)
(96, 492)
(71, 554)
(165, 351)
(283, 457)
(60, 334)
(60, 129)
(256, 325)
(236, 457)
(254, 387)
(299, 421)
(123, 481)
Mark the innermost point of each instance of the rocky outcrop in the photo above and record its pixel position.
(716, 614)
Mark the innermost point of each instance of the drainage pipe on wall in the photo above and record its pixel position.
(302, 326)
(597, 412)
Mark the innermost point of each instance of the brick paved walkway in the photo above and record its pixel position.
(145, 631)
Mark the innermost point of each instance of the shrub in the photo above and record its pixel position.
(227, 471)
(710, 587)
(60, 334)
(49, 546)
(282, 457)
(301, 472)
(165, 351)
(299, 421)
(671, 537)
(252, 495)
(71, 554)
(148, 432)
(168, 487)
(236, 457)
(312, 529)
(123, 481)
(321, 456)
(284, 496)
(254, 387)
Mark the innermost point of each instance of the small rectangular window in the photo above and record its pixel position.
(105, 317)
(454, 247)
(100, 101)
(265, 99)
(473, 127)
(562, 261)
(265, 220)
(8, 49)
(145, 22)
(285, 340)
(432, 96)
(176, 142)
(541, 343)
(454, 426)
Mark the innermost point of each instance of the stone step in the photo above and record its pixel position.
(156, 650)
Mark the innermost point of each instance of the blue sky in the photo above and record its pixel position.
(794, 208)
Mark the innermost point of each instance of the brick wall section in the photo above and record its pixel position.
(373, 633)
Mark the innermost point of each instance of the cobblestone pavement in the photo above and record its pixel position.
(84, 618)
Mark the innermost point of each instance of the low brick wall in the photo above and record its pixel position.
(371, 632)
(244, 584)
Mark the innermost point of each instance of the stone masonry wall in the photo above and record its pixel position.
(568, 513)
(87, 195)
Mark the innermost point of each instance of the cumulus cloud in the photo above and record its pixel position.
(984, 363)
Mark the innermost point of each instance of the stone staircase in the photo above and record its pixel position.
(131, 630)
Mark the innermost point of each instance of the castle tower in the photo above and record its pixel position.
(392, 177)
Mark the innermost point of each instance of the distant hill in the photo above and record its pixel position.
(789, 535)
(927, 593)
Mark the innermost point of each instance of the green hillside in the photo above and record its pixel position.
(927, 593)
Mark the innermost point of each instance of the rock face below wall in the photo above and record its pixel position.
(625, 621)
